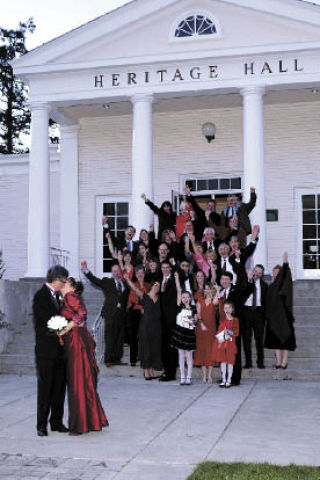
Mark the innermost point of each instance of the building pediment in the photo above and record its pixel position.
(144, 31)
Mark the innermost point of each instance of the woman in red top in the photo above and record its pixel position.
(85, 409)
(226, 350)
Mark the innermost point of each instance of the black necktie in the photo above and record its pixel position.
(254, 295)
(224, 266)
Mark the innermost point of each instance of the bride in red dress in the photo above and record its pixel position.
(85, 409)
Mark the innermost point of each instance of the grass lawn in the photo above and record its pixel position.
(253, 471)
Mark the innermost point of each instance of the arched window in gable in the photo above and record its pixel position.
(195, 25)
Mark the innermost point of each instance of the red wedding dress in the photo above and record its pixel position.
(85, 409)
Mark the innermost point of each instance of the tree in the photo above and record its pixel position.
(14, 114)
(2, 265)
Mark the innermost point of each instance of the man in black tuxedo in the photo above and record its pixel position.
(252, 315)
(168, 304)
(51, 372)
(113, 312)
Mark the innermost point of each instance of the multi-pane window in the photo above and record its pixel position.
(214, 184)
(195, 25)
(311, 231)
(118, 220)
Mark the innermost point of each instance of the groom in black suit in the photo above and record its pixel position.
(50, 362)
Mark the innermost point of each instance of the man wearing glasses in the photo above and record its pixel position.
(50, 362)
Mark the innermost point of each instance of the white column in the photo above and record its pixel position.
(69, 196)
(253, 164)
(39, 193)
(142, 161)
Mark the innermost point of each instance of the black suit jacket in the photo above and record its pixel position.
(44, 307)
(264, 289)
(111, 294)
(122, 244)
(168, 303)
(237, 267)
(246, 252)
(243, 214)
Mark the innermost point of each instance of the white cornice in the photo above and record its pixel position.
(27, 72)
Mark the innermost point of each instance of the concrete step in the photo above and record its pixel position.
(300, 301)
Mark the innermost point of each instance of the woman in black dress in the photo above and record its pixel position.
(149, 348)
(280, 334)
(167, 218)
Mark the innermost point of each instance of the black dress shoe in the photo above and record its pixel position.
(42, 432)
(260, 365)
(164, 378)
(60, 428)
(235, 383)
(248, 365)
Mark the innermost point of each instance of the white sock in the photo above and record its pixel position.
(223, 368)
(230, 370)
(189, 363)
(182, 363)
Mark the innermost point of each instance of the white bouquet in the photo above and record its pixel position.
(57, 323)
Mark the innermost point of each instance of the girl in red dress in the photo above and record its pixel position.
(85, 409)
(205, 333)
(225, 351)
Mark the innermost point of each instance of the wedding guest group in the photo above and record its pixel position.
(175, 292)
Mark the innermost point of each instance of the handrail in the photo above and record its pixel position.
(58, 256)
(98, 335)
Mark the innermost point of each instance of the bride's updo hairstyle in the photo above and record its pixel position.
(77, 285)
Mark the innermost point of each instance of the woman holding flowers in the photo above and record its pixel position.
(85, 409)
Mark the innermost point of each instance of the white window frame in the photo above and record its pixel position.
(213, 193)
(197, 38)
(301, 273)
(99, 201)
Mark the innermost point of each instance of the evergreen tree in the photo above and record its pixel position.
(14, 115)
(2, 265)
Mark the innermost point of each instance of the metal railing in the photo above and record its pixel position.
(98, 335)
(58, 256)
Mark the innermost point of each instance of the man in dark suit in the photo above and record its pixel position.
(113, 312)
(239, 210)
(127, 243)
(168, 304)
(247, 251)
(252, 315)
(51, 371)
(236, 294)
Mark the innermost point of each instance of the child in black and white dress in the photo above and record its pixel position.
(183, 335)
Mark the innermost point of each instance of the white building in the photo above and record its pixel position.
(131, 91)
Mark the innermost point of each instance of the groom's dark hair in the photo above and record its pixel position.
(57, 273)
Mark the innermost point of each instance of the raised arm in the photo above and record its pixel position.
(111, 246)
(136, 290)
(252, 202)
(151, 205)
(90, 276)
(197, 209)
(178, 287)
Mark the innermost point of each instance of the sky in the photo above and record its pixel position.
(54, 18)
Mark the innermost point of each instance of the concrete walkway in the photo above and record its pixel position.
(161, 430)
